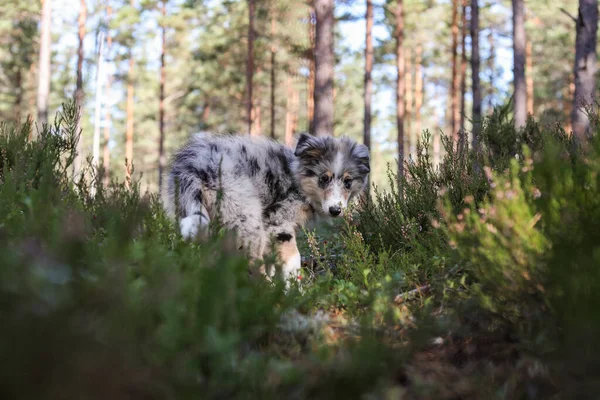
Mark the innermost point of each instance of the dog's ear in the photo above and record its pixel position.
(360, 152)
(308, 146)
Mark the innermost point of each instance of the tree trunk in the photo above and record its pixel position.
(98, 103)
(130, 117)
(585, 65)
(399, 36)
(44, 63)
(324, 63)
(256, 112)
(250, 65)
(310, 96)
(476, 86)
(568, 105)
(410, 142)
(162, 159)
(291, 112)
(368, 70)
(463, 65)
(520, 96)
(491, 64)
(454, 84)
(107, 115)
(273, 70)
(418, 88)
(529, 76)
(81, 20)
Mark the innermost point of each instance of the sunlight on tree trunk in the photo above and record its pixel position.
(520, 89)
(79, 98)
(324, 64)
(44, 64)
(585, 65)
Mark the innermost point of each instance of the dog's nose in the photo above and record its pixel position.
(335, 210)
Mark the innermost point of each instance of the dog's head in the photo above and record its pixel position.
(331, 171)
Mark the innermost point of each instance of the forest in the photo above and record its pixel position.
(470, 269)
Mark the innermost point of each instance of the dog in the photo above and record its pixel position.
(263, 190)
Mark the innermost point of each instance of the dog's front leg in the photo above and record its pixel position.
(289, 255)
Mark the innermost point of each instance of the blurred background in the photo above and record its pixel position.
(148, 74)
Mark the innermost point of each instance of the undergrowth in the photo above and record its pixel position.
(477, 278)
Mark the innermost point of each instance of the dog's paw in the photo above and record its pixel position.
(190, 226)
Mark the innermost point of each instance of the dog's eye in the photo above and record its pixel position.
(324, 179)
(348, 183)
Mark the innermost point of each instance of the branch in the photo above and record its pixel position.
(568, 14)
(411, 293)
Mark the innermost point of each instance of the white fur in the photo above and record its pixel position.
(335, 198)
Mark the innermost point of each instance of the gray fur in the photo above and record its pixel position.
(267, 189)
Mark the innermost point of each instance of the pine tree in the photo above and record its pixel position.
(475, 61)
(520, 89)
(79, 96)
(44, 76)
(129, 112)
(250, 67)
(585, 64)
(368, 72)
(454, 83)
(400, 85)
(463, 65)
(324, 65)
(107, 114)
(162, 160)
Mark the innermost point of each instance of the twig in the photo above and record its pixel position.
(411, 293)
(568, 14)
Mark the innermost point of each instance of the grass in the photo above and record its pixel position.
(475, 279)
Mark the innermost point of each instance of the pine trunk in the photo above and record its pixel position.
(273, 70)
(310, 95)
(44, 64)
(324, 63)
(107, 114)
(410, 141)
(585, 65)
(463, 65)
(98, 103)
(250, 66)
(454, 84)
(520, 88)
(529, 76)
(368, 70)
(81, 20)
(491, 65)
(476, 84)
(162, 159)
(291, 112)
(129, 117)
(418, 88)
(399, 36)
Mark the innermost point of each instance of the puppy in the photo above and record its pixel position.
(263, 190)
